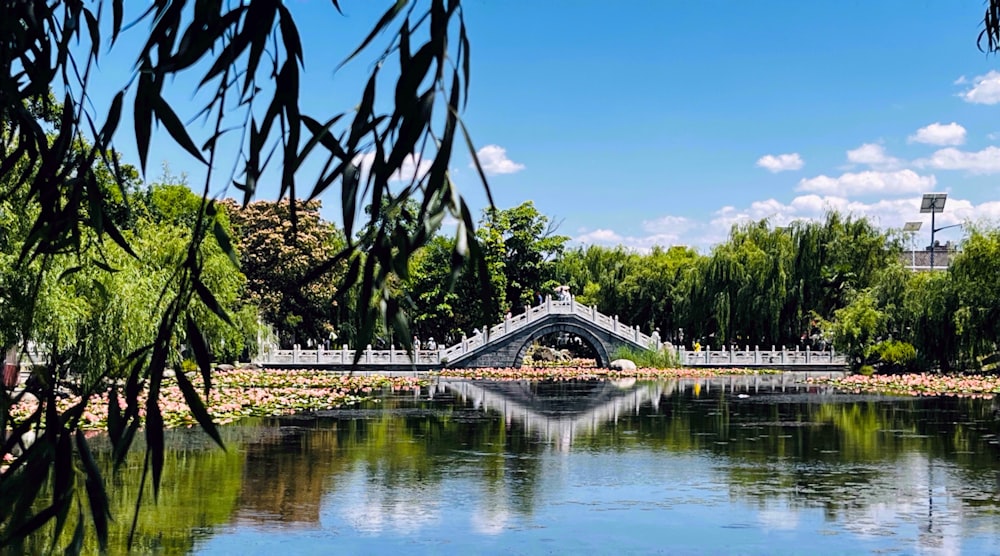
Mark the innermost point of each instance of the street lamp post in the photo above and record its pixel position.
(933, 203)
(912, 228)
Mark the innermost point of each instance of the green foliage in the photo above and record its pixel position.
(517, 246)
(647, 358)
(895, 356)
(926, 318)
(58, 164)
(524, 241)
(856, 327)
(866, 370)
(644, 289)
(287, 276)
(974, 281)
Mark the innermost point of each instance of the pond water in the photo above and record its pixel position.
(750, 465)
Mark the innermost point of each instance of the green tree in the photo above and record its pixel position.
(928, 317)
(974, 279)
(642, 289)
(526, 242)
(856, 328)
(278, 257)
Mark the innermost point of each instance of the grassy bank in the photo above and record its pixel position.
(647, 358)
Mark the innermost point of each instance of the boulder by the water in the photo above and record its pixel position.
(25, 442)
(622, 365)
(546, 354)
(224, 367)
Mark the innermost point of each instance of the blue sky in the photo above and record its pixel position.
(664, 122)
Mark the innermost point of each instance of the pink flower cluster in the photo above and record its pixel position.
(243, 393)
(919, 384)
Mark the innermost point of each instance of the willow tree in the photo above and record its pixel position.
(974, 281)
(246, 59)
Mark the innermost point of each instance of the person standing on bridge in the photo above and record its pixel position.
(563, 292)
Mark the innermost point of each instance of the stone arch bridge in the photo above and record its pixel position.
(503, 345)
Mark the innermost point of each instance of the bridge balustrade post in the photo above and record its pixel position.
(343, 353)
(635, 333)
(756, 355)
(392, 351)
(368, 354)
(593, 313)
(548, 304)
(295, 353)
(319, 354)
(833, 354)
(782, 355)
(465, 344)
(506, 324)
(614, 325)
(527, 313)
(807, 355)
(732, 353)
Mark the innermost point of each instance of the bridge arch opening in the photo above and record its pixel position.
(574, 338)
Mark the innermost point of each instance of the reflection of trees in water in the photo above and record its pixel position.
(401, 453)
(198, 494)
(287, 472)
(393, 465)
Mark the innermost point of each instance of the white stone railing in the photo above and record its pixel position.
(758, 357)
(513, 324)
(443, 355)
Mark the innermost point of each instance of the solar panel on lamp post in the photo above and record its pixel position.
(933, 203)
(912, 228)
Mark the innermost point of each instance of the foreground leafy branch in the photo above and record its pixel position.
(55, 156)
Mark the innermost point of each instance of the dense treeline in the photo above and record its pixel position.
(839, 282)
(836, 283)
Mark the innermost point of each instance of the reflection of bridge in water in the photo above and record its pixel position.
(560, 411)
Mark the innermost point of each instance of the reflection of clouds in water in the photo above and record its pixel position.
(935, 513)
(778, 519)
(370, 507)
(877, 519)
(491, 520)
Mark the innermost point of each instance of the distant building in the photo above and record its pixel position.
(921, 260)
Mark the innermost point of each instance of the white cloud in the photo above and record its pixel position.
(986, 161)
(493, 159)
(667, 225)
(413, 167)
(781, 162)
(985, 89)
(868, 183)
(960, 81)
(602, 236)
(874, 155)
(662, 232)
(939, 134)
(885, 213)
